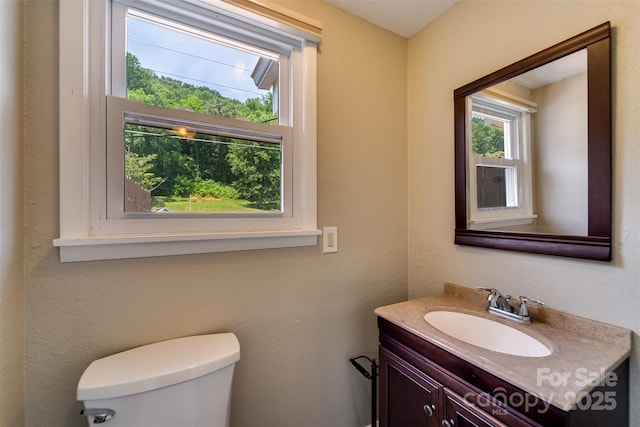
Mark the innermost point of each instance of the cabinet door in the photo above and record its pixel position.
(460, 413)
(408, 397)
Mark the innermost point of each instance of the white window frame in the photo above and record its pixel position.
(87, 230)
(516, 112)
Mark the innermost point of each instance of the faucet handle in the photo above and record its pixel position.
(493, 293)
(523, 310)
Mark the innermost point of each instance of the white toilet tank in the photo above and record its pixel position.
(184, 382)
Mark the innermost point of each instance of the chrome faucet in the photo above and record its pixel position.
(523, 310)
(501, 306)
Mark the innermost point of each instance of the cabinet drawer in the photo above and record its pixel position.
(461, 413)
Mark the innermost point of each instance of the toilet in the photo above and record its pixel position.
(182, 382)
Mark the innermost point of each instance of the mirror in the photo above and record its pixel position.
(533, 153)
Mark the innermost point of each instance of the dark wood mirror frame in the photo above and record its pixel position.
(596, 244)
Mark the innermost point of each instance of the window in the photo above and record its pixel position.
(499, 147)
(175, 165)
(194, 133)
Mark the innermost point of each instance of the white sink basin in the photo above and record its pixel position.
(486, 333)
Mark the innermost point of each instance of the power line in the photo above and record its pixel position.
(180, 77)
(147, 133)
(188, 54)
(202, 81)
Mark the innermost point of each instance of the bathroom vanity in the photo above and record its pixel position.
(427, 377)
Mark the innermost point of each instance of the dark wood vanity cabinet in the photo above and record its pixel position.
(424, 385)
(410, 397)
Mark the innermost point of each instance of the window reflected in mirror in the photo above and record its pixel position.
(499, 147)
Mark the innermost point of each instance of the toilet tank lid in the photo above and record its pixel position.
(157, 365)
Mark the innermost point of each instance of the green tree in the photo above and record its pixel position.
(138, 78)
(168, 159)
(487, 141)
(258, 110)
(256, 168)
(139, 169)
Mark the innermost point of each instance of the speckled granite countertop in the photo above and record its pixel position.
(583, 350)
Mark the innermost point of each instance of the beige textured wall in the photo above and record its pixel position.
(299, 314)
(561, 168)
(11, 238)
(470, 40)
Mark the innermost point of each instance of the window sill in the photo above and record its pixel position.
(140, 246)
(493, 223)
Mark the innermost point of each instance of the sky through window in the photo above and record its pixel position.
(193, 59)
